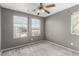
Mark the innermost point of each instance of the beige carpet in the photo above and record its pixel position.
(41, 49)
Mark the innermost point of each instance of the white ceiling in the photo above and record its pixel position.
(29, 7)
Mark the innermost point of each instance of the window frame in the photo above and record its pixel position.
(19, 23)
(75, 14)
(40, 26)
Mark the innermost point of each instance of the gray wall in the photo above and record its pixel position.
(58, 28)
(0, 27)
(7, 29)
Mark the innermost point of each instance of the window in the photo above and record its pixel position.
(20, 26)
(75, 23)
(35, 27)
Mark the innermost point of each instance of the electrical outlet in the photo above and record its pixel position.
(71, 43)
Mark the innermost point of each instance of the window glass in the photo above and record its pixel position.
(35, 27)
(75, 23)
(20, 26)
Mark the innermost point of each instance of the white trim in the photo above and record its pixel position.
(63, 46)
(38, 42)
(21, 45)
(74, 15)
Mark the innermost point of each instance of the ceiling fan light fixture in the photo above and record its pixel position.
(42, 10)
(38, 11)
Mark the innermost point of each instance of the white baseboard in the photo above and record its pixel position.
(21, 45)
(63, 46)
(38, 42)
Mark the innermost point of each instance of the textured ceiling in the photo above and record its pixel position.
(29, 7)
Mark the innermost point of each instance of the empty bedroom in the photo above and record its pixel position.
(39, 29)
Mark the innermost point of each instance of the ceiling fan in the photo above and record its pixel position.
(44, 8)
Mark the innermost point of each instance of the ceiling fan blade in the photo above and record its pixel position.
(46, 10)
(51, 5)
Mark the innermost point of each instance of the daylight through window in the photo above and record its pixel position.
(20, 26)
(75, 23)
